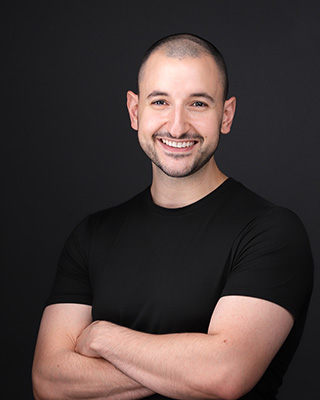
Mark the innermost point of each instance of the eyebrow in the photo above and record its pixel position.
(204, 95)
(197, 94)
(157, 93)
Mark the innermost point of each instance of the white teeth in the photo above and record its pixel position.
(177, 144)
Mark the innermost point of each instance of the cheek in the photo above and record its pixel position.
(207, 125)
(149, 122)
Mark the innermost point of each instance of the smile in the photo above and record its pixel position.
(178, 145)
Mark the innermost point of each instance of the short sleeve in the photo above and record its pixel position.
(272, 260)
(72, 283)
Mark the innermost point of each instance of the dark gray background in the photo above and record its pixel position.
(67, 148)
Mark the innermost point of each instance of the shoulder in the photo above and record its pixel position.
(281, 223)
(98, 228)
(256, 210)
(108, 218)
(263, 222)
(126, 206)
(272, 257)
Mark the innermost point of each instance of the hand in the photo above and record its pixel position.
(91, 339)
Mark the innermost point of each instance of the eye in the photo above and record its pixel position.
(159, 102)
(199, 104)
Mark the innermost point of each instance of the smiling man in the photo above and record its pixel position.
(180, 112)
(196, 287)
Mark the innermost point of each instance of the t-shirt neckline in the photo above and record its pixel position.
(191, 208)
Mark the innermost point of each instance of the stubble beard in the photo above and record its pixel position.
(202, 157)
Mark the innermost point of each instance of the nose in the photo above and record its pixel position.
(178, 123)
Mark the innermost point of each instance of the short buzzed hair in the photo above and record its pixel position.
(183, 45)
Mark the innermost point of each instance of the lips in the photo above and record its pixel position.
(178, 144)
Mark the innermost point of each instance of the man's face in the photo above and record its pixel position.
(179, 112)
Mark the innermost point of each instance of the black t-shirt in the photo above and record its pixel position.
(161, 270)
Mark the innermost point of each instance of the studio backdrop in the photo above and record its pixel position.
(67, 148)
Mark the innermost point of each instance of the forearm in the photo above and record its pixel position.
(68, 375)
(177, 366)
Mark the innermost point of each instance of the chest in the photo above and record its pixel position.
(159, 277)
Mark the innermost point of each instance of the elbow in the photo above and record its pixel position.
(41, 391)
(37, 386)
(230, 392)
(230, 389)
(223, 387)
(227, 392)
(43, 388)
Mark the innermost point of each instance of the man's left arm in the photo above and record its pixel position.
(244, 335)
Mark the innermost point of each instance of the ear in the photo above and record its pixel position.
(229, 110)
(132, 105)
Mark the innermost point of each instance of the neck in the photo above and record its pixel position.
(171, 192)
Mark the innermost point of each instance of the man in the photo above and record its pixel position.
(196, 287)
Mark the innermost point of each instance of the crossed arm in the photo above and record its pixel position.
(78, 359)
(60, 373)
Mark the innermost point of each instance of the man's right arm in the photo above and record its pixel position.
(60, 373)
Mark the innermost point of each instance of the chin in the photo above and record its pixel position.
(179, 172)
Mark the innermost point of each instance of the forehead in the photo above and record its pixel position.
(196, 73)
